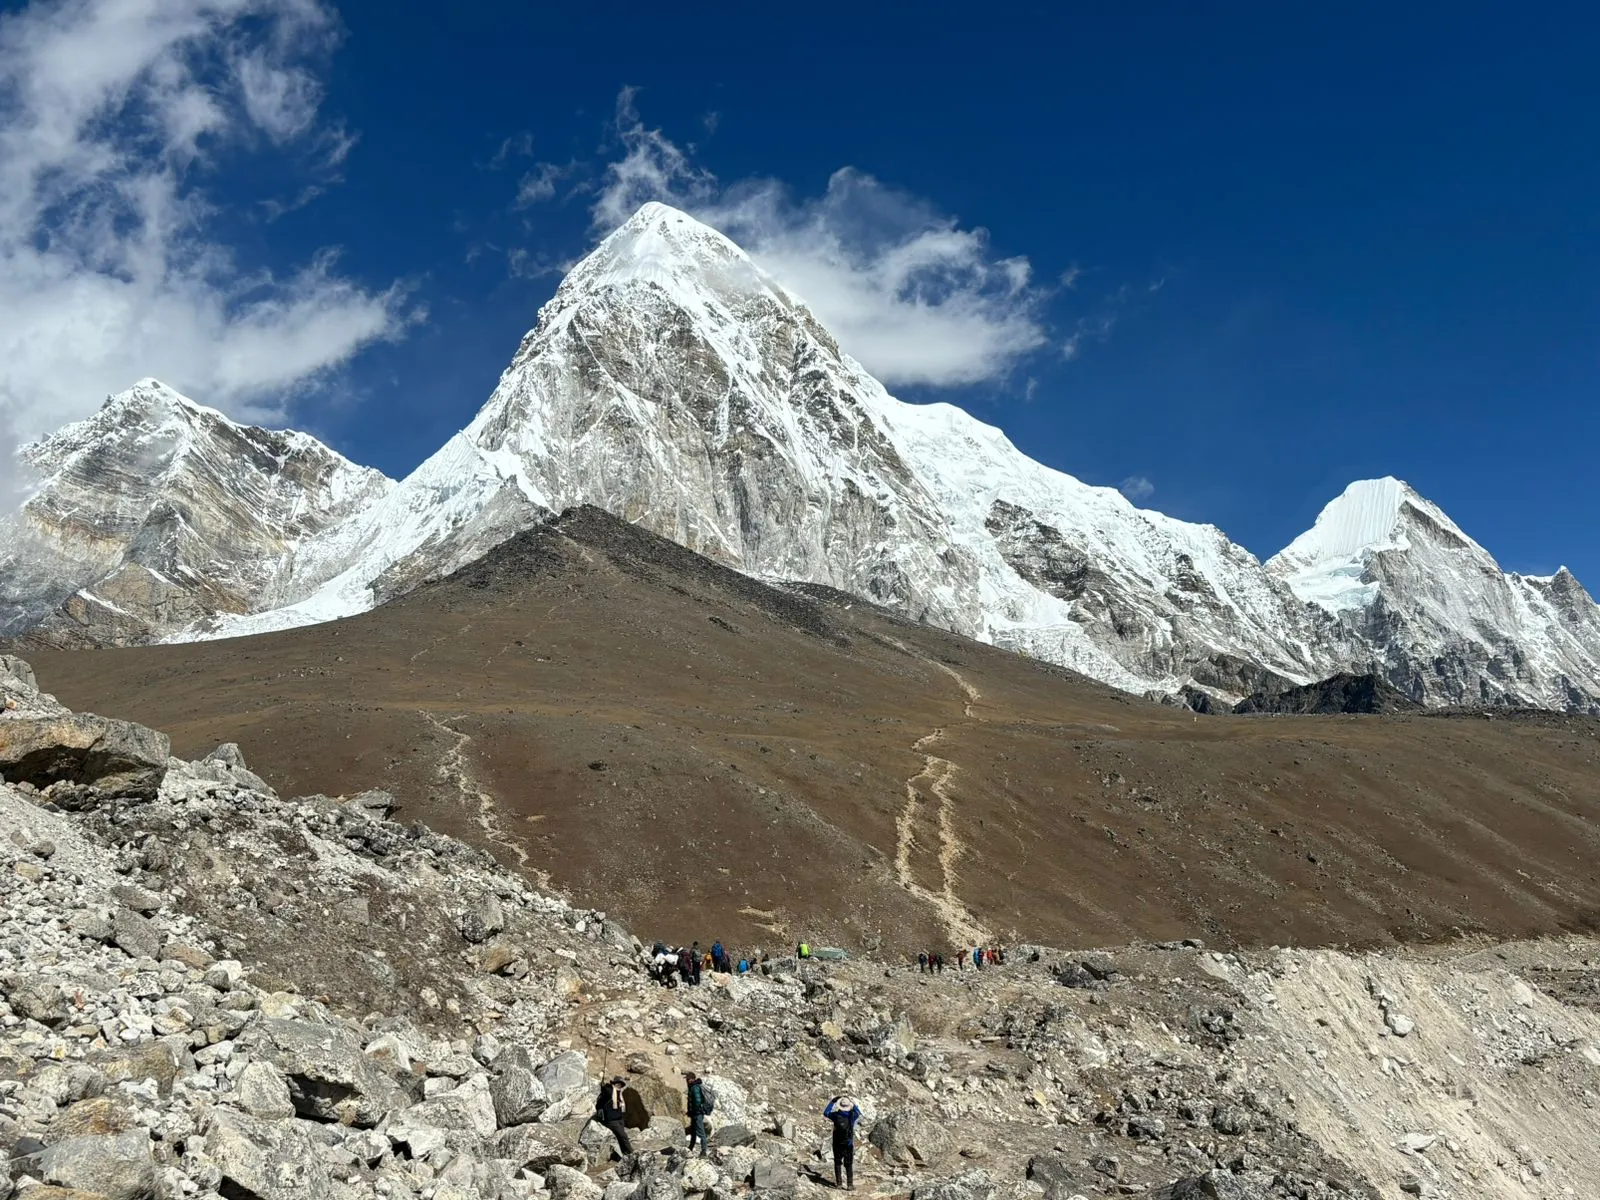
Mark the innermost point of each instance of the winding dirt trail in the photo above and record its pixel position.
(929, 789)
(454, 771)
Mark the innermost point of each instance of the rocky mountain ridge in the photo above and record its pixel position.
(209, 991)
(675, 384)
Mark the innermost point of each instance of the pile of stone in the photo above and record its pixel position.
(208, 990)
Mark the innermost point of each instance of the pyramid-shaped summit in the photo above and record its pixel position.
(673, 382)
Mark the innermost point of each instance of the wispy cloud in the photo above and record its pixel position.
(540, 184)
(908, 291)
(114, 115)
(1137, 488)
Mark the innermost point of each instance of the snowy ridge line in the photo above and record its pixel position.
(672, 382)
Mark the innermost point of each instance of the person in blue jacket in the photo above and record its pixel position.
(844, 1114)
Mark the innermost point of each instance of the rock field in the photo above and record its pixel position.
(208, 990)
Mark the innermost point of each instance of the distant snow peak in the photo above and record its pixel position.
(672, 382)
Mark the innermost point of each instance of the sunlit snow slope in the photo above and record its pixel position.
(673, 382)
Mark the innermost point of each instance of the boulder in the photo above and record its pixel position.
(662, 1185)
(518, 1097)
(135, 934)
(1053, 1173)
(37, 1000)
(699, 1175)
(117, 1166)
(969, 1185)
(467, 1108)
(482, 920)
(660, 1097)
(537, 1148)
(266, 1160)
(733, 1135)
(1217, 1185)
(567, 1184)
(774, 1176)
(115, 758)
(564, 1076)
(733, 1106)
(262, 1091)
(18, 673)
(140, 900)
(907, 1138)
(329, 1077)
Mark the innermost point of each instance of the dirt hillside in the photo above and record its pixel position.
(711, 757)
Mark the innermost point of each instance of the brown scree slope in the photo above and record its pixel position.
(710, 757)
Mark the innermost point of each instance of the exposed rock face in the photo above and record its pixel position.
(113, 758)
(1431, 612)
(1340, 694)
(157, 514)
(673, 383)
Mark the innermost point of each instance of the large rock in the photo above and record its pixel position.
(115, 758)
(518, 1096)
(135, 934)
(329, 1077)
(117, 1166)
(265, 1160)
(262, 1091)
(907, 1138)
(969, 1185)
(1054, 1174)
(567, 1184)
(36, 999)
(775, 1177)
(537, 1148)
(733, 1106)
(1218, 1185)
(564, 1076)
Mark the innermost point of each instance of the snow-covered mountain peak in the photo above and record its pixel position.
(664, 246)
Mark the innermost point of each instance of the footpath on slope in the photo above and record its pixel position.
(210, 991)
(935, 779)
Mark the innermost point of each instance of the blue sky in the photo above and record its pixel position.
(1268, 251)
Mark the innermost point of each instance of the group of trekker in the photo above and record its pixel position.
(978, 956)
(842, 1113)
(669, 966)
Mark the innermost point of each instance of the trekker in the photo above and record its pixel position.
(938, 963)
(922, 964)
(803, 950)
(611, 1110)
(977, 957)
(719, 958)
(697, 1104)
(844, 1114)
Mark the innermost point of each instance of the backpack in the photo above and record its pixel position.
(708, 1102)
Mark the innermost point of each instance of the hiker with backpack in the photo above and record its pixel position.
(699, 1104)
(843, 1113)
(611, 1110)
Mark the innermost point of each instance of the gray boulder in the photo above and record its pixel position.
(262, 1091)
(564, 1075)
(117, 1166)
(518, 1097)
(1218, 1185)
(774, 1176)
(137, 935)
(1054, 1175)
(733, 1135)
(37, 1000)
(537, 1148)
(969, 1185)
(907, 1138)
(566, 1184)
(18, 673)
(267, 1160)
(115, 758)
(329, 1077)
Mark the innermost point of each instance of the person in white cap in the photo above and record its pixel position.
(844, 1114)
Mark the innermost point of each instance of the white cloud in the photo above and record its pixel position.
(916, 298)
(113, 114)
(1137, 488)
(1070, 277)
(540, 183)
